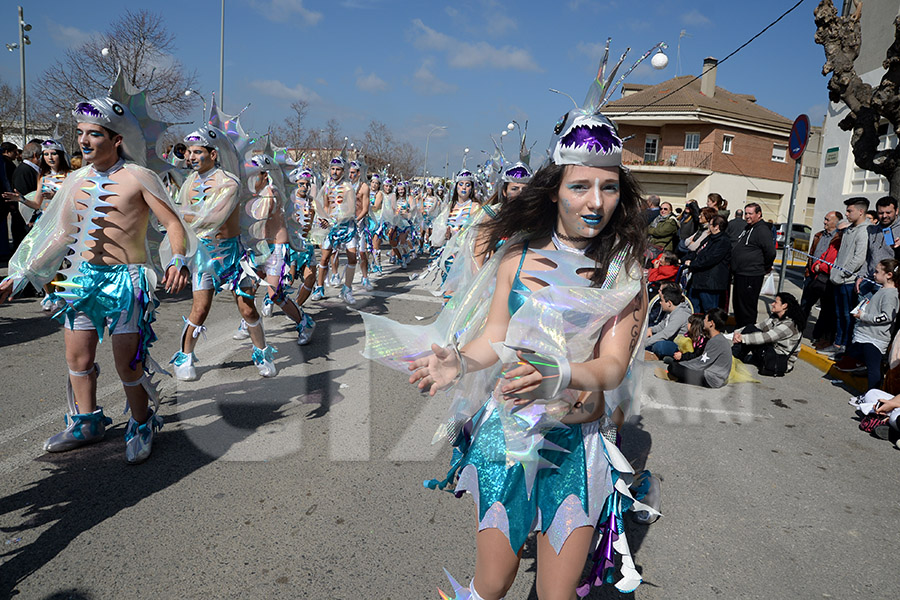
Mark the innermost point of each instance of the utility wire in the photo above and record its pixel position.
(696, 77)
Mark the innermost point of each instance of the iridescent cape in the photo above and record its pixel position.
(562, 319)
(64, 226)
(213, 210)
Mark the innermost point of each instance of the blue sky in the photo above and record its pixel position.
(472, 65)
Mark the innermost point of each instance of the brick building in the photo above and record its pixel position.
(703, 139)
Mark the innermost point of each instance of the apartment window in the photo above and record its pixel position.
(726, 144)
(692, 141)
(865, 182)
(651, 148)
(779, 153)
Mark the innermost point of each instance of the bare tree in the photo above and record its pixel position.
(9, 106)
(841, 38)
(138, 42)
(381, 149)
(291, 134)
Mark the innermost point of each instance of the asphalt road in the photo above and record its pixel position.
(309, 485)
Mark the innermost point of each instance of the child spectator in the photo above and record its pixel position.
(660, 337)
(691, 345)
(712, 368)
(774, 344)
(874, 319)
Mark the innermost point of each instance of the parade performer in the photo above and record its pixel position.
(537, 356)
(365, 225)
(372, 227)
(100, 217)
(338, 200)
(210, 202)
(268, 206)
(430, 208)
(388, 215)
(54, 169)
(403, 226)
(303, 259)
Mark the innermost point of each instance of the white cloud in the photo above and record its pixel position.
(277, 89)
(593, 50)
(321, 81)
(371, 83)
(70, 37)
(427, 83)
(468, 55)
(695, 18)
(281, 10)
(497, 18)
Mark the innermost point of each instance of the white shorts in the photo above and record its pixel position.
(275, 261)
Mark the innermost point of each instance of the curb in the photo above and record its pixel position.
(826, 365)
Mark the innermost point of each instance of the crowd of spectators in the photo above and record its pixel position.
(702, 264)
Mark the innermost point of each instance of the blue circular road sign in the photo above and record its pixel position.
(799, 137)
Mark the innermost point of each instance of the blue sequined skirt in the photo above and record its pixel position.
(568, 493)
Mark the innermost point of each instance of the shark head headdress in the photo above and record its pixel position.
(52, 144)
(129, 113)
(584, 136)
(215, 139)
(264, 162)
(520, 171)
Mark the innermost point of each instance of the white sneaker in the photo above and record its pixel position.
(305, 330)
(267, 307)
(347, 295)
(367, 285)
(335, 280)
(265, 361)
(318, 293)
(184, 366)
(139, 438)
(47, 304)
(242, 332)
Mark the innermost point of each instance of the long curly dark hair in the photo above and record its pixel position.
(534, 214)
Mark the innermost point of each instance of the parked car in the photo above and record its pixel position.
(800, 236)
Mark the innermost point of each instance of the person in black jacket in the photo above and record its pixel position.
(751, 258)
(24, 181)
(709, 267)
(8, 153)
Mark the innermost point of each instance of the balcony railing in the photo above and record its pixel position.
(694, 160)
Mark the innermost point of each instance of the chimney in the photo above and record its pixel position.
(708, 78)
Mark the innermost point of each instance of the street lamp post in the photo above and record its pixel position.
(189, 92)
(222, 59)
(427, 138)
(23, 41)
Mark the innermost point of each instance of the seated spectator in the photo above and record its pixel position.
(712, 368)
(665, 269)
(883, 407)
(691, 344)
(710, 267)
(872, 333)
(774, 344)
(660, 337)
